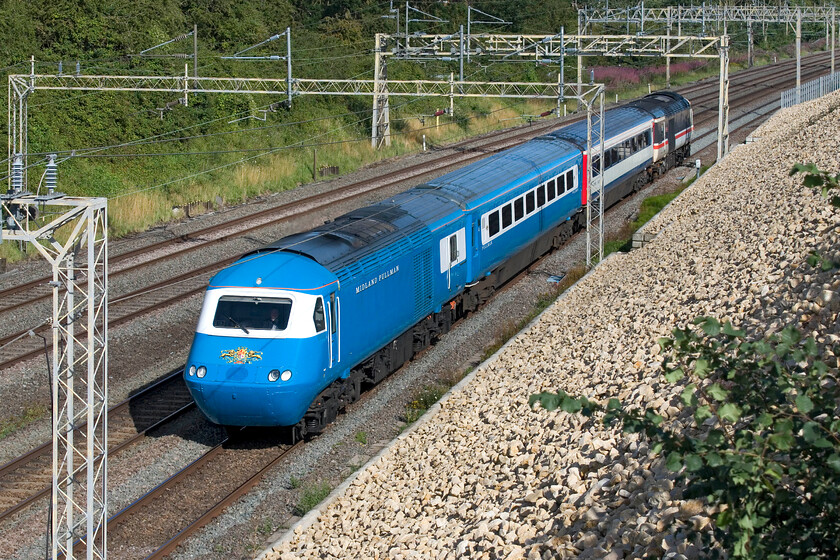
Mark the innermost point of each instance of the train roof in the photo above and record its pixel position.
(345, 241)
(616, 121)
(661, 103)
(406, 220)
(283, 271)
(621, 119)
(467, 187)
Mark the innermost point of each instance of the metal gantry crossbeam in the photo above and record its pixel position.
(79, 375)
(300, 86)
(704, 14)
(551, 47)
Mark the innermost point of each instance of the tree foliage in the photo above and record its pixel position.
(819, 179)
(761, 443)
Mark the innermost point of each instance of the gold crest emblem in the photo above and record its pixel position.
(241, 355)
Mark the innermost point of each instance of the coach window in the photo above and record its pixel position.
(507, 216)
(318, 316)
(540, 196)
(550, 189)
(570, 181)
(493, 223)
(529, 202)
(518, 208)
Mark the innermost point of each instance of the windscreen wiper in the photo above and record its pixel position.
(232, 320)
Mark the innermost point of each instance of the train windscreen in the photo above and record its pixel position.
(248, 312)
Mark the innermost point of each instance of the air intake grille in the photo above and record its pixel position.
(422, 284)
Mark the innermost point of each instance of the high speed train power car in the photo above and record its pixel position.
(289, 333)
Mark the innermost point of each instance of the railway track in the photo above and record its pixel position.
(25, 481)
(747, 86)
(200, 491)
(28, 478)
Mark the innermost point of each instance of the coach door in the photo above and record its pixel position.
(453, 255)
(659, 141)
(670, 131)
(333, 331)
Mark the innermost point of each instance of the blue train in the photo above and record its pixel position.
(288, 335)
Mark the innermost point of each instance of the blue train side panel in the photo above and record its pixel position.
(287, 323)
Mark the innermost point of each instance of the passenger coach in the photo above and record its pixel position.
(289, 333)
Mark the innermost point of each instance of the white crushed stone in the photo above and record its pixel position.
(488, 477)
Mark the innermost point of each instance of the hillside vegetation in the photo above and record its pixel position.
(219, 148)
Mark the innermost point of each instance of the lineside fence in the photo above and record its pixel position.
(811, 90)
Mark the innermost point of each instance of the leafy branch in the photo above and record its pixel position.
(761, 445)
(818, 179)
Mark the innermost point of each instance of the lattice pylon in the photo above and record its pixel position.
(595, 185)
(79, 461)
(79, 365)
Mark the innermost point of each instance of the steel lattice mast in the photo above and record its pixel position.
(79, 359)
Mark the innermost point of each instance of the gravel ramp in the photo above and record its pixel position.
(485, 476)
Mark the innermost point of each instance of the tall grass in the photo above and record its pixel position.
(134, 206)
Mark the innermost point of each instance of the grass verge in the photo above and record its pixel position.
(15, 423)
(311, 496)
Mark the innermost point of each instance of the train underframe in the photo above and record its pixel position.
(342, 392)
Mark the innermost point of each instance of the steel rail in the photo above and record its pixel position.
(25, 460)
(214, 511)
(347, 192)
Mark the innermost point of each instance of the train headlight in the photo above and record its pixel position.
(192, 371)
(286, 375)
(274, 375)
(201, 371)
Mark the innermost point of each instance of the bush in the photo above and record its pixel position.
(762, 443)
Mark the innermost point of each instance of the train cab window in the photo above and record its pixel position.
(507, 216)
(540, 196)
(333, 315)
(550, 189)
(251, 312)
(493, 223)
(318, 316)
(453, 248)
(570, 181)
(529, 202)
(518, 209)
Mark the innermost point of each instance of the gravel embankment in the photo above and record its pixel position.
(488, 477)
